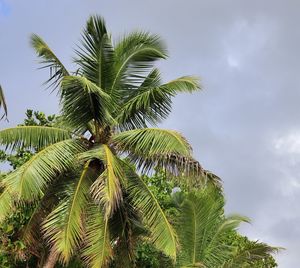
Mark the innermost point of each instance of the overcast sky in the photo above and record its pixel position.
(245, 124)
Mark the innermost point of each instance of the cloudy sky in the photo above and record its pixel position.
(245, 124)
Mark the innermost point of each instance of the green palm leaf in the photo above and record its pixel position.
(3, 102)
(201, 228)
(64, 226)
(6, 204)
(97, 250)
(31, 232)
(152, 147)
(162, 233)
(96, 55)
(49, 60)
(83, 102)
(32, 137)
(152, 141)
(106, 190)
(29, 181)
(151, 102)
(134, 57)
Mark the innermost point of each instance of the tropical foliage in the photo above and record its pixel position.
(207, 238)
(204, 230)
(80, 193)
(100, 204)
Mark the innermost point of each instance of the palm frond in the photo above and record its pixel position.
(162, 233)
(3, 103)
(49, 60)
(201, 228)
(251, 253)
(134, 58)
(106, 190)
(96, 55)
(32, 137)
(64, 226)
(152, 141)
(97, 250)
(151, 102)
(29, 181)
(31, 232)
(153, 147)
(6, 204)
(83, 102)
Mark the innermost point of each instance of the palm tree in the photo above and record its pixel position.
(3, 103)
(89, 198)
(203, 232)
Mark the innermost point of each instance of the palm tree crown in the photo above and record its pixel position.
(204, 234)
(82, 181)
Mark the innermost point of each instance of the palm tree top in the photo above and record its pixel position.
(107, 105)
(115, 84)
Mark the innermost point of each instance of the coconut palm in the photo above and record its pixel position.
(203, 232)
(85, 177)
(3, 103)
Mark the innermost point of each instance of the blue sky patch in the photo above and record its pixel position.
(4, 8)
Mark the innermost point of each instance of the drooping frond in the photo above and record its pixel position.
(201, 228)
(162, 233)
(151, 147)
(97, 249)
(211, 178)
(32, 137)
(96, 55)
(149, 142)
(29, 181)
(151, 102)
(31, 233)
(6, 204)
(83, 102)
(134, 58)
(252, 252)
(3, 103)
(49, 60)
(64, 226)
(106, 190)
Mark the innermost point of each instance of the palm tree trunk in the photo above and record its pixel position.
(51, 260)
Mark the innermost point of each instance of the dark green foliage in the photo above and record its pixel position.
(13, 251)
(148, 257)
(169, 194)
(243, 245)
